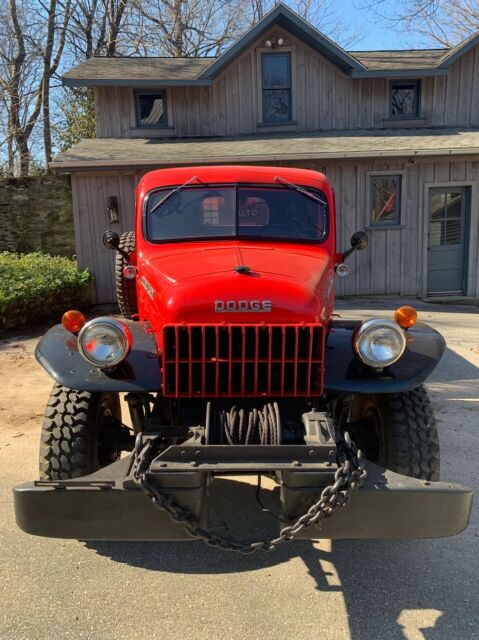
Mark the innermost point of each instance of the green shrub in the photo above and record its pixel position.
(37, 286)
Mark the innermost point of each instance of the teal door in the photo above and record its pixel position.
(447, 240)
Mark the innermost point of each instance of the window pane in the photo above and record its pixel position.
(245, 211)
(272, 212)
(404, 100)
(436, 233)
(151, 107)
(385, 199)
(276, 105)
(276, 70)
(454, 205)
(453, 231)
(438, 201)
(191, 213)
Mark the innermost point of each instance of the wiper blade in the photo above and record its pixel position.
(173, 191)
(302, 190)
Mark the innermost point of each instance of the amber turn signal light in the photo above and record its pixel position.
(406, 316)
(73, 320)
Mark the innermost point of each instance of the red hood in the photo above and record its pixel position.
(191, 281)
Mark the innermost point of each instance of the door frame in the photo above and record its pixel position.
(470, 258)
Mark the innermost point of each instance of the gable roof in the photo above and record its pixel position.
(459, 50)
(284, 17)
(163, 72)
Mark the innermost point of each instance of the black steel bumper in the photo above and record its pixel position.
(108, 505)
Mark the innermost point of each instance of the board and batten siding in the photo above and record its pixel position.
(90, 199)
(393, 264)
(323, 99)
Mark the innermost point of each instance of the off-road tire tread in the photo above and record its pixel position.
(67, 440)
(64, 446)
(412, 441)
(125, 289)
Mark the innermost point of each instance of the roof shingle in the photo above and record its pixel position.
(324, 145)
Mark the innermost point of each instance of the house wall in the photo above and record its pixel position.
(394, 263)
(323, 98)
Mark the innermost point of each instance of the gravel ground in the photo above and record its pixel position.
(349, 589)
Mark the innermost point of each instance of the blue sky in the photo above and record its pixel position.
(378, 33)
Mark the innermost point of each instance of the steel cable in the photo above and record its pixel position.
(255, 427)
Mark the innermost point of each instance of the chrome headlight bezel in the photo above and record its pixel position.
(112, 326)
(366, 330)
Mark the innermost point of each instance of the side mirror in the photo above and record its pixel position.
(359, 240)
(111, 240)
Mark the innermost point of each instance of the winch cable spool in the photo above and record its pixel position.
(255, 427)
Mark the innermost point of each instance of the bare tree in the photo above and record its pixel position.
(180, 28)
(435, 22)
(103, 27)
(21, 85)
(51, 49)
(32, 39)
(207, 27)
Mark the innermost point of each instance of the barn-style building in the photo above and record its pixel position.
(397, 133)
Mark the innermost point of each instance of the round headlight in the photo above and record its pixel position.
(379, 343)
(104, 342)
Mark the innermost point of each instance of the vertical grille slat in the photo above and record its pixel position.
(243, 360)
(310, 358)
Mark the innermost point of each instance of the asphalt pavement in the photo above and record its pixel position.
(55, 589)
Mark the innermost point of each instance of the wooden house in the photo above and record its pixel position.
(397, 133)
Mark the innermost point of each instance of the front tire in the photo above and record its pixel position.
(398, 431)
(76, 438)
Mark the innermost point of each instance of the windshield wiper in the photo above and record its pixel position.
(296, 187)
(173, 191)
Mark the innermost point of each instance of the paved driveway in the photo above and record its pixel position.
(54, 589)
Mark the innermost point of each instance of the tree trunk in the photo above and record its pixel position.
(178, 29)
(22, 145)
(47, 132)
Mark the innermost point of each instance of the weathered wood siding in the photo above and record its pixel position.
(90, 198)
(394, 263)
(323, 98)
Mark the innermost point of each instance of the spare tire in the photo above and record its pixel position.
(125, 289)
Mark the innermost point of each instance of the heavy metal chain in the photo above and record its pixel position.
(348, 477)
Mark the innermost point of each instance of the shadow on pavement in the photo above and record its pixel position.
(387, 585)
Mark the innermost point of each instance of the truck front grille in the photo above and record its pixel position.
(243, 360)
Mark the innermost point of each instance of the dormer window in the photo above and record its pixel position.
(405, 99)
(276, 87)
(151, 109)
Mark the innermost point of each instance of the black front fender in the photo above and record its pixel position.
(58, 354)
(344, 373)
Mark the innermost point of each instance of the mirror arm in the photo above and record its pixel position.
(350, 251)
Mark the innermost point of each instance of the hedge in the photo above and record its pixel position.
(36, 287)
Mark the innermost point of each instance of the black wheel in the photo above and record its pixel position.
(398, 431)
(78, 435)
(125, 289)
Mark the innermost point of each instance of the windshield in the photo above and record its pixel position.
(196, 212)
